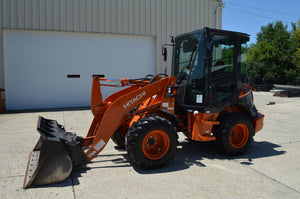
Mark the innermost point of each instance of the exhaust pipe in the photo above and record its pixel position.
(54, 156)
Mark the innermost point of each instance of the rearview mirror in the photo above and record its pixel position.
(164, 53)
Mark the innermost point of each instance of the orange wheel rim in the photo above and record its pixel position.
(156, 144)
(239, 136)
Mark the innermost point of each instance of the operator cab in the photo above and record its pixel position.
(209, 66)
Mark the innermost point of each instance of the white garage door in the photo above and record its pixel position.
(37, 66)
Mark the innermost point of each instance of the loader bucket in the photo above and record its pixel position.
(55, 155)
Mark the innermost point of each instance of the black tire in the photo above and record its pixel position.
(234, 133)
(151, 141)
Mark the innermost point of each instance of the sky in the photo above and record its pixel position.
(249, 15)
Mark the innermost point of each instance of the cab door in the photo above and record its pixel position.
(223, 69)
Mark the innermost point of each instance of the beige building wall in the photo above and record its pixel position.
(156, 18)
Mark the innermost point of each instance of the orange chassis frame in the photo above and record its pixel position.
(117, 108)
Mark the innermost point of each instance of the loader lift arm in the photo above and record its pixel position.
(113, 111)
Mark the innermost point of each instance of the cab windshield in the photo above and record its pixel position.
(186, 55)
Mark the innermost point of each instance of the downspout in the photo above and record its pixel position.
(218, 13)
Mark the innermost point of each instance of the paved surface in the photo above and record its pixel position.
(270, 168)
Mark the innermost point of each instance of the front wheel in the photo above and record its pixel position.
(235, 133)
(151, 141)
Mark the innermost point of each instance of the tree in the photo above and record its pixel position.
(273, 57)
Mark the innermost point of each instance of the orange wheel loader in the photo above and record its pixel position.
(206, 98)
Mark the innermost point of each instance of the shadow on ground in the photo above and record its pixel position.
(191, 153)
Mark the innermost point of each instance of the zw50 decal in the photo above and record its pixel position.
(135, 99)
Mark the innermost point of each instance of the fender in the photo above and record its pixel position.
(167, 115)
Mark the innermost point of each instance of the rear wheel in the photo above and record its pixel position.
(235, 133)
(151, 141)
